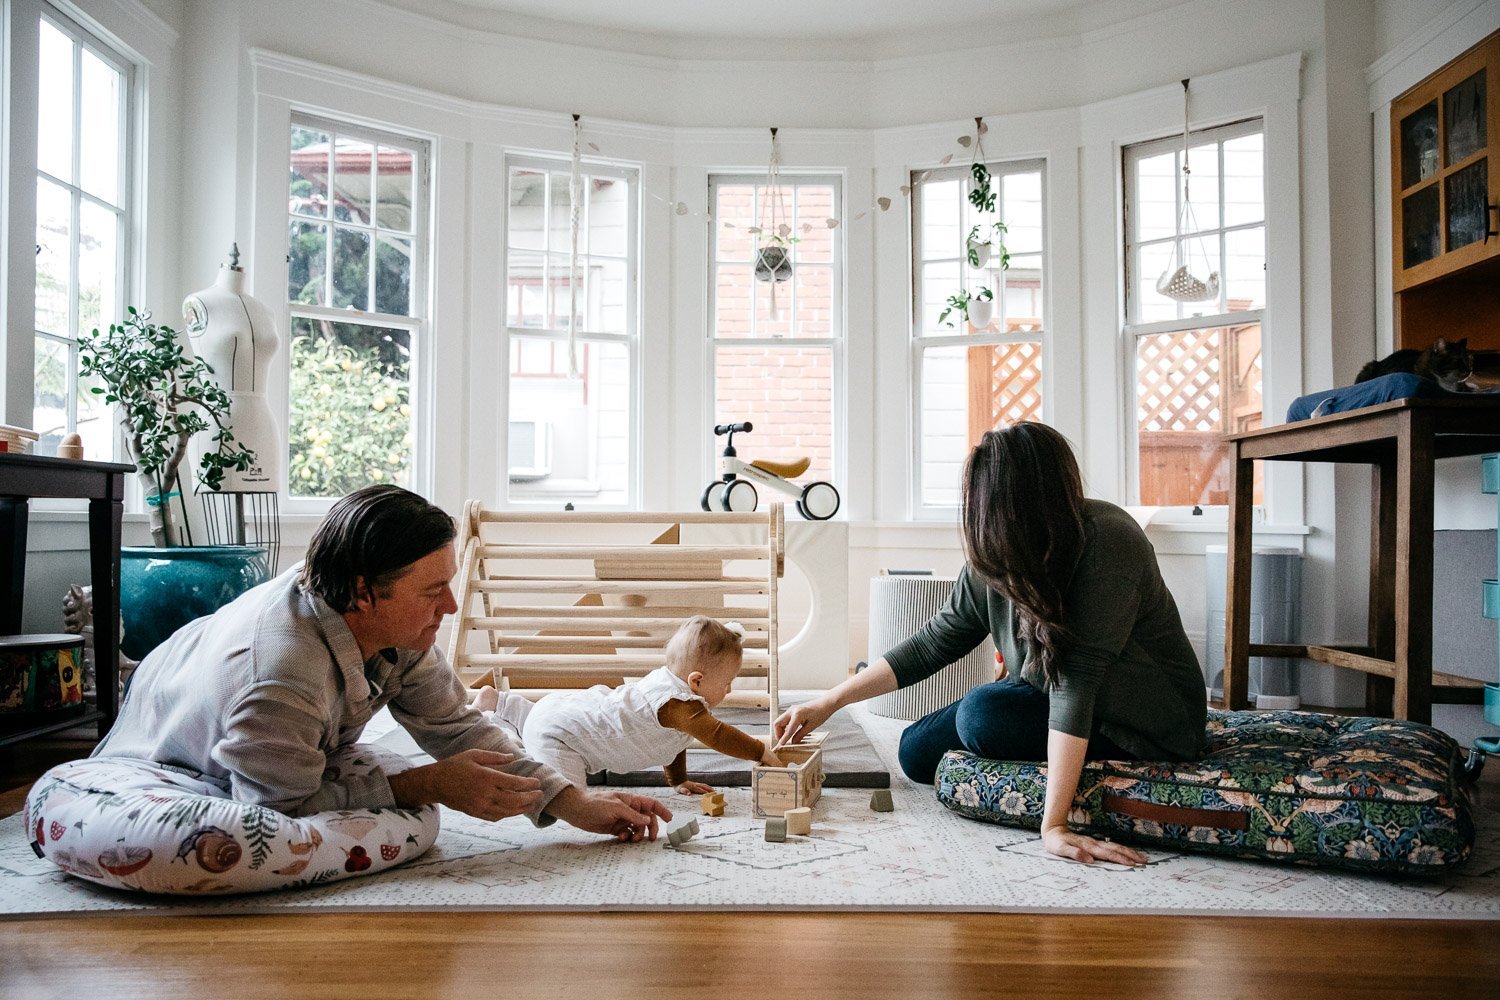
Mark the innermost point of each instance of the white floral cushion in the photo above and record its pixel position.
(133, 824)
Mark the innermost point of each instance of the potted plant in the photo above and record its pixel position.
(165, 396)
(773, 261)
(977, 308)
(982, 239)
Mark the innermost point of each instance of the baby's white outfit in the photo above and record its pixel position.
(605, 728)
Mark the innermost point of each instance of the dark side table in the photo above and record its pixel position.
(1400, 440)
(27, 477)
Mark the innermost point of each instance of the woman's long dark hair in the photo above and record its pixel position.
(1023, 528)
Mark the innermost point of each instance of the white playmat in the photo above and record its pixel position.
(920, 857)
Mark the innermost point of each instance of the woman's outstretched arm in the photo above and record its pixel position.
(1065, 755)
(878, 678)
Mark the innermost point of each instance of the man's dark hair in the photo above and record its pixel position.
(373, 534)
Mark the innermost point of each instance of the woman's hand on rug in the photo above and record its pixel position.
(694, 788)
(1065, 843)
(621, 815)
(470, 782)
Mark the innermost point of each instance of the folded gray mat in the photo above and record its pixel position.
(849, 761)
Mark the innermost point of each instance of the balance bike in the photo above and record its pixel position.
(735, 491)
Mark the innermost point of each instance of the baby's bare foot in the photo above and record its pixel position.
(487, 699)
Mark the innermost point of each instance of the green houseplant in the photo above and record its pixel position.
(973, 308)
(165, 396)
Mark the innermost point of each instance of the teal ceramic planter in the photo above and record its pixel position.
(162, 590)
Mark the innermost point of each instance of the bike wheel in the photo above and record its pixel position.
(709, 500)
(739, 495)
(819, 501)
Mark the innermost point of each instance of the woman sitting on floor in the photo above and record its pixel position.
(1070, 591)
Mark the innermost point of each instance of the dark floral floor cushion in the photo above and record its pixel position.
(1371, 794)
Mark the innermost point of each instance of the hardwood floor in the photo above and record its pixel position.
(583, 956)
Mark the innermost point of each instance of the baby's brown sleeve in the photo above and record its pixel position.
(694, 718)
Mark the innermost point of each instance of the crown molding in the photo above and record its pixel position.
(1442, 38)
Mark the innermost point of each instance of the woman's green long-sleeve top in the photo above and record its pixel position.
(1129, 672)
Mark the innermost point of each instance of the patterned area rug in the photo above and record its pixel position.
(920, 857)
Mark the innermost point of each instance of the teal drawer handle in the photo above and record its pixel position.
(1492, 598)
(1491, 468)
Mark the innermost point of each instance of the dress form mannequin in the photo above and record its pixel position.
(237, 336)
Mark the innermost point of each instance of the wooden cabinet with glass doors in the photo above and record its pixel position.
(1445, 203)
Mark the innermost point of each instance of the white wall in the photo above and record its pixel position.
(1072, 98)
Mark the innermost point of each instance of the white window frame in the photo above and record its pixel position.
(418, 324)
(836, 341)
(1131, 332)
(629, 174)
(125, 256)
(919, 343)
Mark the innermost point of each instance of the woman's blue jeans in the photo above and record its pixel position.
(1005, 720)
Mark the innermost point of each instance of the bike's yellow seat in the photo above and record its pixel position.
(786, 470)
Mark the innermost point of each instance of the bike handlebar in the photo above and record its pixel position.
(722, 429)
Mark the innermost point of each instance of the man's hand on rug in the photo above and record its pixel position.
(470, 782)
(694, 788)
(621, 815)
(1065, 843)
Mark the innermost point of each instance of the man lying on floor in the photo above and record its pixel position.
(264, 700)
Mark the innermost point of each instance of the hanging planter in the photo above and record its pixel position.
(981, 309)
(773, 263)
(1188, 277)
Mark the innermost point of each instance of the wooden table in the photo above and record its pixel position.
(1401, 440)
(27, 477)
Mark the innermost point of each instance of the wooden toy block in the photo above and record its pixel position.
(799, 821)
(683, 834)
(774, 790)
(776, 830)
(880, 801)
(712, 804)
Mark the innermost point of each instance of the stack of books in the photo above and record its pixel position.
(17, 439)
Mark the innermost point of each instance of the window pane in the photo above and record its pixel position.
(1153, 211)
(352, 163)
(815, 206)
(307, 193)
(526, 305)
(393, 266)
(351, 415)
(608, 291)
(1021, 195)
(54, 267)
(733, 296)
(941, 208)
(813, 287)
(787, 393)
(1193, 387)
(95, 420)
(55, 104)
(307, 263)
(938, 282)
(98, 261)
(1244, 180)
(967, 391)
(569, 438)
(1021, 309)
(351, 268)
(394, 187)
(608, 217)
(1245, 264)
(49, 399)
(526, 219)
(1149, 305)
(1203, 188)
(733, 206)
(99, 135)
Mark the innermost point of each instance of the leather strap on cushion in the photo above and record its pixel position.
(1219, 819)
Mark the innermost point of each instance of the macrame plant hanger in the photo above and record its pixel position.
(1179, 281)
(773, 262)
(575, 217)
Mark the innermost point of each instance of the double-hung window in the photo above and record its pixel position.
(572, 420)
(82, 222)
(776, 331)
(357, 235)
(1197, 364)
(978, 367)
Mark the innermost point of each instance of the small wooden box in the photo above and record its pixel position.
(774, 790)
